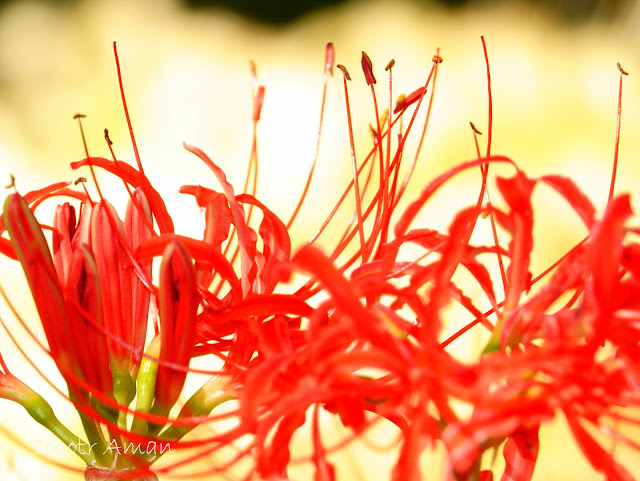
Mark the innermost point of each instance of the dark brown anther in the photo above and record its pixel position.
(106, 137)
(79, 116)
(373, 133)
(437, 58)
(80, 180)
(475, 130)
(344, 71)
(12, 182)
(622, 71)
(367, 68)
(390, 65)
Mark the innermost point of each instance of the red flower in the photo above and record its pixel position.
(362, 339)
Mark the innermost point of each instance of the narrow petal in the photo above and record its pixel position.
(573, 195)
(199, 250)
(115, 279)
(601, 460)
(138, 222)
(432, 187)
(218, 220)
(517, 193)
(86, 321)
(33, 253)
(276, 244)
(178, 305)
(131, 176)
(520, 454)
(246, 236)
(64, 224)
(604, 257)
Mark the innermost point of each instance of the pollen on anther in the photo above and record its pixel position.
(344, 71)
(253, 69)
(106, 137)
(622, 71)
(473, 127)
(390, 65)
(80, 180)
(437, 59)
(79, 116)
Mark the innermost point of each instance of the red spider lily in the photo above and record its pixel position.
(549, 365)
(362, 339)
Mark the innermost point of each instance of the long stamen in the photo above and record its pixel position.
(489, 137)
(437, 60)
(617, 144)
(126, 112)
(328, 71)
(79, 118)
(484, 169)
(489, 97)
(251, 175)
(381, 212)
(388, 202)
(257, 98)
(354, 163)
(127, 187)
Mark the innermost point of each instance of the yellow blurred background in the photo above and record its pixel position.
(186, 75)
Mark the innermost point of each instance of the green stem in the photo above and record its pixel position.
(40, 410)
(96, 439)
(213, 393)
(146, 385)
(123, 393)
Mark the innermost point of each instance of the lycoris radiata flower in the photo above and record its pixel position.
(361, 338)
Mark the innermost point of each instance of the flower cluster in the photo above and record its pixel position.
(360, 338)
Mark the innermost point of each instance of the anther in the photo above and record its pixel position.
(82, 116)
(329, 58)
(404, 102)
(253, 69)
(475, 130)
(384, 116)
(80, 180)
(622, 71)
(257, 103)
(437, 59)
(344, 71)
(106, 137)
(12, 182)
(367, 68)
(390, 65)
(373, 133)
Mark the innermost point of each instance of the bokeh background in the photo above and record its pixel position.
(187, 78)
